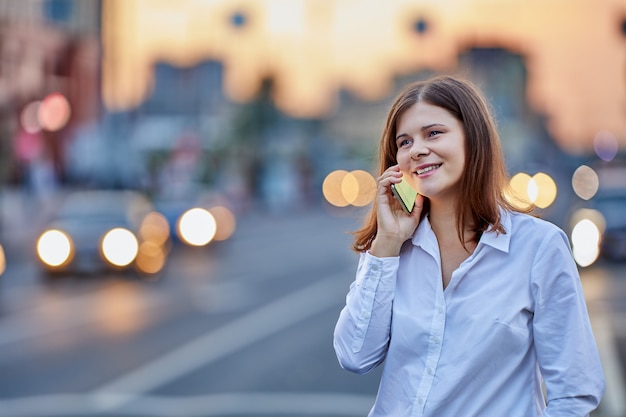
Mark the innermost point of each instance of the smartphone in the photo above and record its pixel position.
(405, 194)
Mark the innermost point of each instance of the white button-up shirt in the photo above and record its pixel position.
(512, 317)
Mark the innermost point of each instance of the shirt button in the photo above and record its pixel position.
(374, 268)
(420, 401)
(429, 371)
(436, 339)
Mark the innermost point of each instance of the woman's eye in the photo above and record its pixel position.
(434, 133)
(404, 142)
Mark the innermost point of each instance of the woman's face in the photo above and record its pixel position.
(431, 150)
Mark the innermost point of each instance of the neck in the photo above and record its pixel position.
(442, 218)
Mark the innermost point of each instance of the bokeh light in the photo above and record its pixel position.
(366, 188)
(120, 246)
(532, 190)
(349, 187)
(155, 228)
(590, 214)
(54, 248)
(332, 188)
(585, 242)
(519, 190)
(342, 188)
(150, 257)
(539, 190)
(225, 221)
(543, 189)
(605, 145)
(54, 112)
(197, 227)
(588, 225)
(29, 118)
(585, 182)
(3, 260)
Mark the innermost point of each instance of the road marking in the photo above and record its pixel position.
(223, 341)
(271, 404)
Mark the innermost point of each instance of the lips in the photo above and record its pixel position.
(426, 169)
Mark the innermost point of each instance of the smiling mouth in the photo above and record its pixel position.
(427, 169)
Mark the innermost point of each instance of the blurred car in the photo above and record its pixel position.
(103, 230)
(197, 219)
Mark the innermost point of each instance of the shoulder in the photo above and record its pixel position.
(546, 249)
(530, 229)
(523, 221)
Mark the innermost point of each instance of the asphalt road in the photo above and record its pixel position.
(239, 328)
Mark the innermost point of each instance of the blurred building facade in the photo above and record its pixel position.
(46, 47)
(196, 102)
(313, 48)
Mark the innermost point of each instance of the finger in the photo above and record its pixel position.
(390, 176)
(419, 205)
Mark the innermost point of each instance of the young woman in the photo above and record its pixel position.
(475, 306)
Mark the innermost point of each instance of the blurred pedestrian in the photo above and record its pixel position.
(474, 305)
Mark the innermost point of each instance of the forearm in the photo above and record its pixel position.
(571, 407)
(362, 331)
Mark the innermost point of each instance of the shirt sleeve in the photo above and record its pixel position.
(564, 342)
(362, 331)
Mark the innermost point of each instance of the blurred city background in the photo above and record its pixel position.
(179, 180)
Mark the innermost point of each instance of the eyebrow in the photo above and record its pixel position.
(432, 125)
(423, 128)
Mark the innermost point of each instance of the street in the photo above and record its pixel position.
(238, 328)
(243, 327)
(132, 130)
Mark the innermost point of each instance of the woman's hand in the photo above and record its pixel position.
(394, 225)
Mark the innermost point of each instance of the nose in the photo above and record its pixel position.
(418, 150)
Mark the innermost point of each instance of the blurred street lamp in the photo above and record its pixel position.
(585, 182)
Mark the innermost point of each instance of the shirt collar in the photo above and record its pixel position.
(424, 237)
(423, 234)
(498, 240)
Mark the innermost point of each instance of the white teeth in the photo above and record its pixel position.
(427, 169)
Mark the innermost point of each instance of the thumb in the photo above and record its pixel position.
(419, 205)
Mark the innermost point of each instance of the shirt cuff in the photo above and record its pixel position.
(377, 274)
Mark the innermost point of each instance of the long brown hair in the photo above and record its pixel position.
(484, 182)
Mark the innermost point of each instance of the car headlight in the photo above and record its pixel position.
(196, 227)
(119, 247)
(55, 248)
